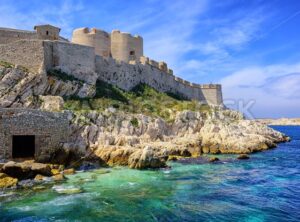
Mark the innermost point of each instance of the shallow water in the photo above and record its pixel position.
(264, 188)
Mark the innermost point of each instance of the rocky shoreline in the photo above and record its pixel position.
(29, 174)
(116, 138)
(112, 139)
(280, 122)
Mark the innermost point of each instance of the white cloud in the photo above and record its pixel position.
(167, 28)
(275, 89)
(60, 14)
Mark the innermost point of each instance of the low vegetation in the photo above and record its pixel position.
(63, 76)
(141, 99)
(10, 65)
(6, 64)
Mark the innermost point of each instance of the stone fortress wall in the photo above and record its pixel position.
(106, 57)
(126, 76)
(40, 55)
(12, 35)
(45, 32)
(27, 53)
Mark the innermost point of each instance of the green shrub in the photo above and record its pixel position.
(63, 76)
(6, 64)
(106, 90)
(177, 96)
(134, 122)
(141, 99)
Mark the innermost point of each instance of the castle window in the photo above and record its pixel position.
(132, 53)
(47, 32)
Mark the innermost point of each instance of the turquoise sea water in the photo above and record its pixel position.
(264, 188)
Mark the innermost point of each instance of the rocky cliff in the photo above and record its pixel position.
(21, 88)
(139, 140)
(121, 138)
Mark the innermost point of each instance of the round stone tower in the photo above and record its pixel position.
(96, 38)
(125, 47)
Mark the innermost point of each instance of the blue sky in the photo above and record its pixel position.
(251, 47)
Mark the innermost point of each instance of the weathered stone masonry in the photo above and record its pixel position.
(116, 58)
(126, 76)
(50, 129)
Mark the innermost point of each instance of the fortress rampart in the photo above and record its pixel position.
(12, 35)
(44, 32)
(85, 63)
(126, 76)
(40, 55)
(27, 53)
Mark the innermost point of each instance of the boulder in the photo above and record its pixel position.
(40, 168)
(172, 158)
(7, 181)
(243, 157)
(146, 158)
(39, 177)
(51, 103)
(214, 159)
(69, 171)
(58, 177)
(17, 170)
(26, 170)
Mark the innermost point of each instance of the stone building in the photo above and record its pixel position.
(118, 45)
(34, 134)
(47, 32)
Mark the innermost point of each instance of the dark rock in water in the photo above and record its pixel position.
(39, 168)
(213, 159)
(198, 160)
(85, 166)
(243, 157)
(205, 160)
(26, 169)
(172, 158)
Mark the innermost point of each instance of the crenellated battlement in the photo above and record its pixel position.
(158, 65)
(210, 86)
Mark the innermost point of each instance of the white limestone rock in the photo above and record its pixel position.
(51, 103)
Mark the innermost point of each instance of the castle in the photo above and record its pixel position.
(93, 54)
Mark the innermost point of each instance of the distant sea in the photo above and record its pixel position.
(264, 188)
